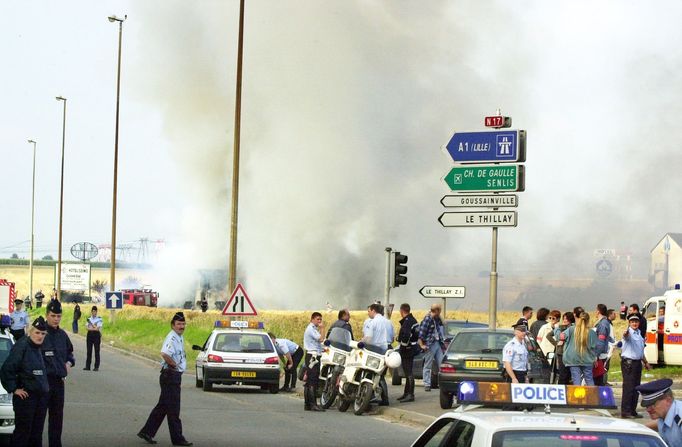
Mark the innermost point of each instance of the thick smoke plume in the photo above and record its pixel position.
(346, 106)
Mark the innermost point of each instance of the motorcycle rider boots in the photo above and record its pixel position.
(311, 400)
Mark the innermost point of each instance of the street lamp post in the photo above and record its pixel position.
(61, 204)
(33, 197)
(112, 274)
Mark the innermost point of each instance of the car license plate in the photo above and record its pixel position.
(482, 364)
(247, 374)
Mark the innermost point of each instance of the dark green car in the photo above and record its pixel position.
(476, 355)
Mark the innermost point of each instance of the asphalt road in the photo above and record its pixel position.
(110, 406)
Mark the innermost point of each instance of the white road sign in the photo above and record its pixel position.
(481, 201)
(478, 219)
(75, 277)
(443, 291)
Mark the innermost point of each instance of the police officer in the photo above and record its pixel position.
(657, 398)
(631, 361)
(407, 337)
(23, 375)
(173, 365)
(292, 354)
(377, 334)
(39, 299)
(515, 355)
(19, 320)
(312, 342)
(58, 355)
(93, 339)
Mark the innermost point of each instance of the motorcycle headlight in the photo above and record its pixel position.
(373, 362)
(5, 399)
(339, 358)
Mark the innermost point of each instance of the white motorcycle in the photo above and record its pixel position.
(362, 373)
(336, 352)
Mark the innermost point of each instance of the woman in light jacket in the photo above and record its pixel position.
(579, 350)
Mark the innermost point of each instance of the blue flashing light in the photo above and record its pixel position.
(677, 287)
(327, 343)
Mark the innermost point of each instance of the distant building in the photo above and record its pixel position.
(666, 262)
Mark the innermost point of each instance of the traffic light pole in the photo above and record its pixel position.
(387, 289)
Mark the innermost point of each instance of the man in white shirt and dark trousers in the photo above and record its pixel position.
(291, 354)
(377, 334)
(173, 365)
(93, 339)
(631, 361)
(312, 342)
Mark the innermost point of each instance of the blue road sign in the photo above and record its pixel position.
(604, 268)
(500, 146)
(114, 300)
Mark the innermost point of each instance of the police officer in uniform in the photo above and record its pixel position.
(93, 339)
(407, 337)
(657, 398)
(631, 361)
(58, 356)
(23, 375)
(312, 342)
(515, 355)
(173, 365)
(39, 299)
(19, 320)
(292, 354)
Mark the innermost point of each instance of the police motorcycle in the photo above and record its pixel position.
(360, 379)
(336, 352)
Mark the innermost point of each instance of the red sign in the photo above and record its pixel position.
(497, 121)
(239, 303)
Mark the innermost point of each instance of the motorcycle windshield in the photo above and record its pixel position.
(376, 349)
(339, 338)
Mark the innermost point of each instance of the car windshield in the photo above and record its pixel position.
(237, 342)
(566, 438)
(5, 348)
(479, 342)
(340, 339)
(453, 328)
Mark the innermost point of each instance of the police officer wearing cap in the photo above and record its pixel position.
(93, 339)
(58, 356)
(631, 361)
(23, 375)
(19, 320)
(515, 355)
(173, 365)
(657, 398)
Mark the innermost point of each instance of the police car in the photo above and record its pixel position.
(536, 425)
(6, 409)
(237, 353)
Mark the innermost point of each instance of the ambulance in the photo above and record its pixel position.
(664, 328)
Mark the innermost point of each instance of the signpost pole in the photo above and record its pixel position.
(387, 289)
(445, 310)
(492, 312)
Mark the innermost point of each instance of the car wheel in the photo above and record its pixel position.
(199, 383)
(208, 386)
(396, 380)
(445, 400)
(274, 388)
(344, 404)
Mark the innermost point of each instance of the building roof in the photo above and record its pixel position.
(677, 237)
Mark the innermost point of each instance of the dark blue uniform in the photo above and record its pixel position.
(57, 351)
(407, 337)
(25, 369)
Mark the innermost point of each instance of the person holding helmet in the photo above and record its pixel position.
(23, 375)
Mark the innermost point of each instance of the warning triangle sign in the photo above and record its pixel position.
(239, 303)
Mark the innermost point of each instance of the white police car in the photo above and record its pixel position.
(238, 353)
(6, 409)
(536, 425)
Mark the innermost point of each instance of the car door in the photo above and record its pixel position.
(650, 312)
(201, 358)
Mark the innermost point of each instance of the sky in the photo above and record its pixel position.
(346, 105)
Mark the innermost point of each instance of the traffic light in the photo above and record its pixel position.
(399, 269)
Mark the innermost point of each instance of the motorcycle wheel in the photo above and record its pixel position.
(343, 406)
(362, 399)
(330, 391)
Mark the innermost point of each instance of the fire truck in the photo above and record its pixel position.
(140, 297)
